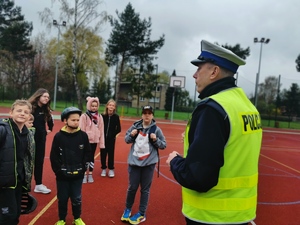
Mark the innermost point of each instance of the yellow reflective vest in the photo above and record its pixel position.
(234, 198)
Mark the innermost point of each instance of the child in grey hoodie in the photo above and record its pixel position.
(146, 138)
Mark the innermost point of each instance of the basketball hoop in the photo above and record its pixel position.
(177, 81)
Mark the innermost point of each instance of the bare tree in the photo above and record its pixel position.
(269, 89)
(17, 72)
(78, 14)
(43, 65)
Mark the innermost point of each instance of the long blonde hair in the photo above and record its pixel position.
(110, 101)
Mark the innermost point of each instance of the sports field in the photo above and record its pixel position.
(104, 200)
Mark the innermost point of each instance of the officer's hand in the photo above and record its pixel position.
(172, 155)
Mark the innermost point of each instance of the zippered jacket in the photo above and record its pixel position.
(94, 131)
(69, 154)
(8, 163)
(153, 147)
(112, 125)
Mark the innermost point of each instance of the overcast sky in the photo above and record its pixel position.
(186, 22)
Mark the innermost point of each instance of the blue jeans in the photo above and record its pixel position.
(65, 190)
(139, 176)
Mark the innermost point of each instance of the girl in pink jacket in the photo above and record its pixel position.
(92, 123)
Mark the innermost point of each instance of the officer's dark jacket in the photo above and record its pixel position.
(198, 177)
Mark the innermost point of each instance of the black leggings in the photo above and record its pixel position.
(40, 148)
(92, 160)
(108, 153)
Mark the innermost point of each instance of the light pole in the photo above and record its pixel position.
(261, 41)
(56, 64)
(156, 66)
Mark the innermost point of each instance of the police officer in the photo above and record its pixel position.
(219, 168)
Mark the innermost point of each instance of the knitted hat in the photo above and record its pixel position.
(90, 100)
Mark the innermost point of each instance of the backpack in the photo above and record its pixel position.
(150, 131)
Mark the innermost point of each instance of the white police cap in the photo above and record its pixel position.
(219, 56)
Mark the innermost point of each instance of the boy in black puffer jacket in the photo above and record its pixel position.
(16, 159)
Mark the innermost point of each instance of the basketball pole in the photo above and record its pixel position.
(176, 82)
(173, 99)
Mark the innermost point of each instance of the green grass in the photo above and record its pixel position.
(281, 124)
(6, 103)
(133, 112)
(160, 114)
(121, 110)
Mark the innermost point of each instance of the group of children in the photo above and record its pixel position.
(72, 157)
(102, 130)
(73, 149)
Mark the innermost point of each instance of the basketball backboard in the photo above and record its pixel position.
(177, 81)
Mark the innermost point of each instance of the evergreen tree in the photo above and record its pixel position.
(17, 56)
(130, 41)
(14, 31)
(238, 50)
(298, 63)
(291, 100)
(101, 89)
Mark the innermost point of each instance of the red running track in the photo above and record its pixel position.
(104, 200)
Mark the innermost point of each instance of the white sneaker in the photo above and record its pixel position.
(111, 173)
(103, 173)
(90, 178)
(84, 179)
(41, 189)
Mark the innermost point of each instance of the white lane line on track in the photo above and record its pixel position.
(42, 211)
(48, 205)
(281, 132)
(282, 164)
